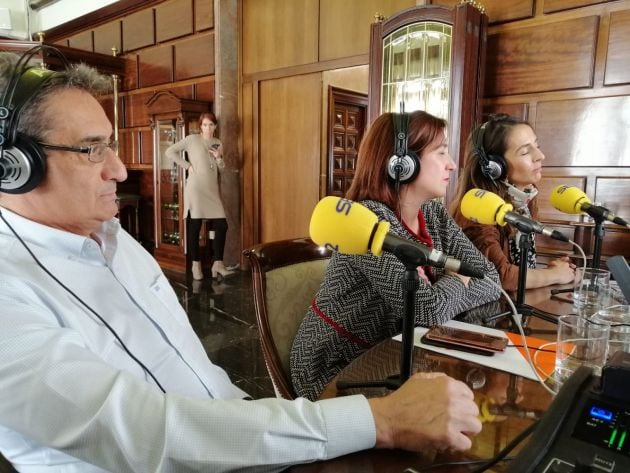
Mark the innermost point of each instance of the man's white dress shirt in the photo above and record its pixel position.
(72, 400)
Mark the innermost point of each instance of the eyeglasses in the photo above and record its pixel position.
(96, 151)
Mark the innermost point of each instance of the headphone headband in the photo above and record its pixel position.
(22, 161)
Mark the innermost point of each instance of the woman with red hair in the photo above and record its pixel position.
(403, 166)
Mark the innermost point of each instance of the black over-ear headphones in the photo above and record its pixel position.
(493, 166)
(404, 165)
(22, 160)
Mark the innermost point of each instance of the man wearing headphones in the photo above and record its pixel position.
(403, 165)
(100, 369)
(504, 158)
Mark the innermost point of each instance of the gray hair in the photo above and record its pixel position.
(33, 121)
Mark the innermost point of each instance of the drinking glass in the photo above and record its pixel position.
(580, 342)
(617, 317)
(591, 290)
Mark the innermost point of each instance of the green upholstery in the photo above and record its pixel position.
(286, 275)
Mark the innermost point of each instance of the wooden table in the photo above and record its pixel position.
(511, 403)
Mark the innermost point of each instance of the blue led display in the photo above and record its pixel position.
(600, 413)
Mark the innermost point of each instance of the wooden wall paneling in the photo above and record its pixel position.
(551, 6)
(546, 246)
(183, 91)
(611, 190)
(617, 58)
(83, 41)
(173, 19)
(107, 36)
(615, 242)
(344, 27)
(585, 132)
(138, 30)
(499, 11)
(128, 151)
(608, 179)
(520, 110)
(146, 146)
(107, 102)
(289, 155)
(194, 57)
(205, 91)
(546, 57)
(548, 212)
(130, 79)
(204, 14)
(614, 194)
(279, 33)
(136, 113)
(115, 11)
(155, 66)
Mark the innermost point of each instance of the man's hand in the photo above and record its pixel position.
(430, 411)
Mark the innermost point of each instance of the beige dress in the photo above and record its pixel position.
(201, 192)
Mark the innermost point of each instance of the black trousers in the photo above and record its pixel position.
(218, 225)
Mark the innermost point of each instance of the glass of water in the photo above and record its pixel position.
(591, 290)
(617, 317)
(580, 343)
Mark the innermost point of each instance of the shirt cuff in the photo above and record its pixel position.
(349, 425)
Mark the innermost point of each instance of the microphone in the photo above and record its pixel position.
(488, 208)
(572, 200)
(349, 227)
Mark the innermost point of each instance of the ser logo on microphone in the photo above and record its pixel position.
(343, 206)
(561, 188)
(479, 193)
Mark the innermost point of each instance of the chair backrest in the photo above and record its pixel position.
(286, 275)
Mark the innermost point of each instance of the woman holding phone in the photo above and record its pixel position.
(202, 197)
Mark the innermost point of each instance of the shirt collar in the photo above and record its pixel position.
(100, 246)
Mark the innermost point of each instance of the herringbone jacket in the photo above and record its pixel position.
(360, 301)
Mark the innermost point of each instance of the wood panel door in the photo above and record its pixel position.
(346, 125)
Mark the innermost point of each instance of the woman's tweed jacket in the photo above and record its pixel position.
(362, 298)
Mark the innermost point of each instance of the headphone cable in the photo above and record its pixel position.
(83, 303)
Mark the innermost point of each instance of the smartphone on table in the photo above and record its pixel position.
(464, 340)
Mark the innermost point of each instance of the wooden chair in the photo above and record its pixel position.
(286, 275)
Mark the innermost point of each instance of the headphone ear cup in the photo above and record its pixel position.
(492, 167)
(499, 165)
(404, 168)
(22, 166)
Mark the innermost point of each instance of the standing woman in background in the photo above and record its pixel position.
(202, 198)
(504, 158)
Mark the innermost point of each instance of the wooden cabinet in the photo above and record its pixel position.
(431, 58)
(172, 118)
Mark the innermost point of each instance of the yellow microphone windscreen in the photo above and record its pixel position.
(484, 207)
(347, 227)
(568, 199)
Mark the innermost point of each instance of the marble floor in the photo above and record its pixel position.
(222, 315)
